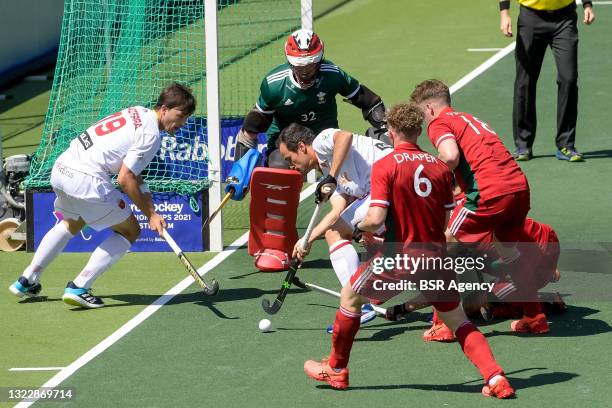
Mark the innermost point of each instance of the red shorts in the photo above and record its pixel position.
(504, 216)
(379, 284)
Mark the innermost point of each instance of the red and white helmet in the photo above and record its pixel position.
(303, 47)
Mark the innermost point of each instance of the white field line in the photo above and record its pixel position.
(602, 3)
(67, 371)
(482, 68)
(36, 368)
(483, 49)
(220, 257)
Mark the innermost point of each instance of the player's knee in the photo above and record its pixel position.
(332, 236)
(349, 299)
(74, 226)
(131, 235)
(129, 229)
(339, 230)
(134, 233)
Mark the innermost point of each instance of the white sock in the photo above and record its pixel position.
(52, 244)
(344, 259)
(495, 378)
(102, 258)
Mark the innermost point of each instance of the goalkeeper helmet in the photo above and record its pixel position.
(304, 50)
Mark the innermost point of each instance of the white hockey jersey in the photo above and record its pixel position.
(129, 137)
(354, 175)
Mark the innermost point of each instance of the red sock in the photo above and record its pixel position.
(346, 326)
(435, 319)
(524, 278)
(476, 348)
(532, 309)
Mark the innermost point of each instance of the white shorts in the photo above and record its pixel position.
(83, 196)
(357, 211)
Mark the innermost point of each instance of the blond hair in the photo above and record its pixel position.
(406, 118)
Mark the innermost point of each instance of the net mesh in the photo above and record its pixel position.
(119, 53)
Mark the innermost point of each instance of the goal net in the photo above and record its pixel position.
(119, 53)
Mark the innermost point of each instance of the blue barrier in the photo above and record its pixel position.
(184, 225)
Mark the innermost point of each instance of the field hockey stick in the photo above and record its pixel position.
(211, 289)
(379, 310)
(272, 308)
(237, 181)
(214, 214)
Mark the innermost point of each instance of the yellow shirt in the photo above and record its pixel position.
(549, 5)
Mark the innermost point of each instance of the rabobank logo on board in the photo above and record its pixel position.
(185, 155)
(172, 150)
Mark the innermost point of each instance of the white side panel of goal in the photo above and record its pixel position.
(213, 124)
(307, 24)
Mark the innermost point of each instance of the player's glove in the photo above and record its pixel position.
(358, 234)
(373, 243)
(376, 115)
(378, 134)
(243, 144)
(325, 189)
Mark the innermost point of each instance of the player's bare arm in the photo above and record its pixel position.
(589, 15)
(343, 141)
(505, 24)
(374, 219)
(448, 152)
(338, 203)
(342, 144)
(130, 184)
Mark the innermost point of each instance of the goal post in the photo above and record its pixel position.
(119, 53)
(214, 124)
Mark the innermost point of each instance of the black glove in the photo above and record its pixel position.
(243, 144)
(379, 134)
(376, 115)
(325, 189)
(358, 234)
(241, 150)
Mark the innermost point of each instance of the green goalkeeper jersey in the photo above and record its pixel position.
(314, 107)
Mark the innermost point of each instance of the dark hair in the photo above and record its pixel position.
(406, 119)
(177, 96)
(295, 133)
(431, 89)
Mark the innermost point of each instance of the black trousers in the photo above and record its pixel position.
(538, 30)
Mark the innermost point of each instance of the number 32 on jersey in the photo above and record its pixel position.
(308, 117)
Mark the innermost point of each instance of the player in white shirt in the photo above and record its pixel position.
(122, 144)
(345, 159)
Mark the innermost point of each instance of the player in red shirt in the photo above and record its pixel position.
(411, 195)
(496, 190)
(537, 238)
(541, 241)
